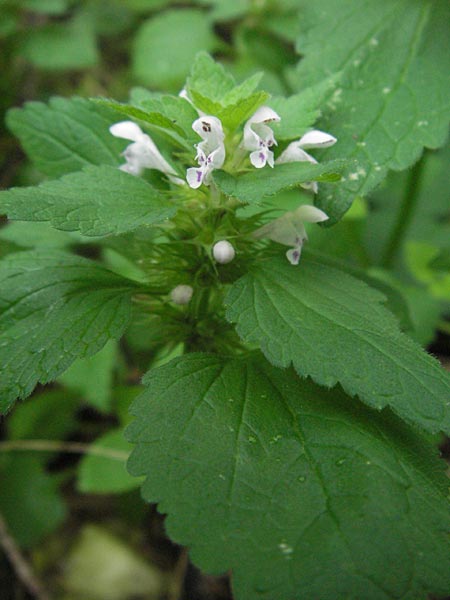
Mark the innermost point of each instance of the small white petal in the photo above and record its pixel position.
(310, 214)
(181, 294)
(194, 177)
(310, 185)
(293, 255)
(209, 128)
(317, 139)
(258, 158)
(293, 153)
(131, 169)
(223, 252)
(127, 130)
(264, 114)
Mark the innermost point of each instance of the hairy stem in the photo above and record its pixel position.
(405, 214)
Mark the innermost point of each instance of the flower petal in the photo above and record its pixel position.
(209, 129)
(293, 255)
(194, 177)
(317, 139)
(293, 153)
(127, 130)
(309, 214)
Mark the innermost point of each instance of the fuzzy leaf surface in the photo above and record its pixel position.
(252, 187)
(392, 100)
(54, 308)
(335, 329)
(96, 201)
(66, 135)
(300, 491)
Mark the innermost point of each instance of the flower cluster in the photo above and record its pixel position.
(258, 140)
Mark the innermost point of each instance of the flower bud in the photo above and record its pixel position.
(181, 294)
(223, 252)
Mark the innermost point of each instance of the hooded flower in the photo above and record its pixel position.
(210, 152)
(259, 138)
(295, 152)
(290, 230)
(142, 153)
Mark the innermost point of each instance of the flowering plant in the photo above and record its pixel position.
(284, 423)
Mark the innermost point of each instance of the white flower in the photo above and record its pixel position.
(142, 153)
(181, 294)
(210, 152)
(223, 252)
(290, 231)
(259, 137)
(295, 152)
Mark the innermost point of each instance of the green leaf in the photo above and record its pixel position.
(254, 186)
(165, 47)
(410, 206)
(106, 474)
(29, 500)
(155, 118)
(62, 46)
(96, 201)
(54, 308)
(333, 328)
(66, 135)
(35, 419)
(391, 101)
(92, 377)
(300, 491)
(47, 7)
(299, 111)
(214, 91)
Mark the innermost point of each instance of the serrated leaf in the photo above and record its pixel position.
(66, 135)
(254, 186)
(391, 102)
(97, 201)
(231, 115)
(106, 474)
(151, 117)
(333, 328)
(299, 111)
(301, 492)
(165, 46)
(214, 91)
(54, 308)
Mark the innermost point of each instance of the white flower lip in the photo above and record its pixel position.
(259, 138)
(289, 229)
(295, 152)
(210, 151)
(142, 153)
(223, 252)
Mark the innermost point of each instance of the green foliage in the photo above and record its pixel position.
(92, 377)
(65, 135)
(305, 317)
(60, 47)
(166, 45)
(300, 491)
(214, 91)
(97, 201)
(54, 307)
(106, 474)
(255, 186)
(32, 506)
(390, 102)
